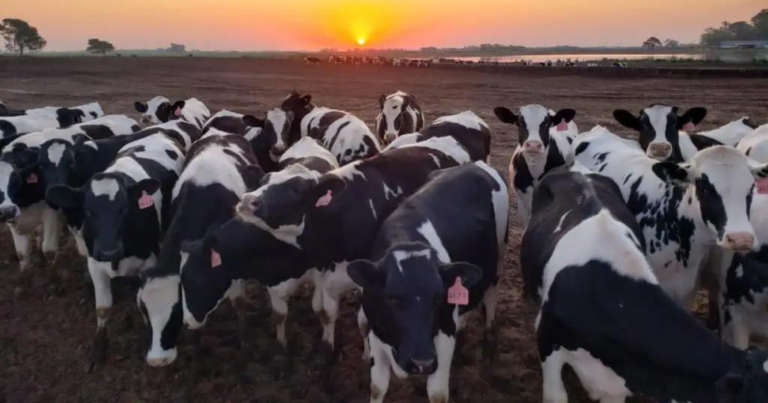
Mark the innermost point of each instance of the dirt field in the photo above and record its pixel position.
(45, 337)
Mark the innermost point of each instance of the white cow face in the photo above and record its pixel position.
(157, 111)
(394, 118)
(659, 127)
(160, 304)
(534, 123)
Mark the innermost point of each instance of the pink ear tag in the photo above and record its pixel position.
(215, 259)
(689, 127)
(458, 294)
(762, 186)
(324, 200)
(145, 201)
(177, 112)
(32, 178)
(562, 126)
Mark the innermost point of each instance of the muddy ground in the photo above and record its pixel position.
(45, 336)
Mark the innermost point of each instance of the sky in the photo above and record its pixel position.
(315, 24)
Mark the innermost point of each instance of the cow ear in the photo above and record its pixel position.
(327, 190)
(150, 186)
(252, 176)
(626, 119)
(672, 173)
(65, 196)
(760, 171)
(177, 107)
(140, 107)
(469, 273)
(364, 273)
(564, 114)
(505, 115)
(306, 99)
(253, 121)
(382, 99)
(694, 116)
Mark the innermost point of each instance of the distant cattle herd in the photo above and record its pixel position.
(619, 235)
(444, 61)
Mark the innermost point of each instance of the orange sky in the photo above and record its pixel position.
(315, 24)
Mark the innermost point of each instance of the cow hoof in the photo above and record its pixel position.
(99, 351)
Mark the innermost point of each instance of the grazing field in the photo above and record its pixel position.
(45, 331)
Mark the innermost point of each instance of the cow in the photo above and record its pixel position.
(69, 116)
(126, 210)
(426, 251)
(5, 111)
(399, 114)
(160, 110)
(219, 169)
(18, 125)
(604, 314)
(544, 143)
(309, 227)
(304, 161)
(683, 210)
(466, 127)
(311, 60)
(343, 134)
(34, 120)
(228, 122)
(659, 127)
(272, 138)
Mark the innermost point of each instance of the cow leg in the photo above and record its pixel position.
(279, 296)
(522, 210)
(491, 341)
(237, 298)
(22, 245)
(552, 369)
(735, 332)
(439, 382)
(103, 295)
(380, 370)
(51, 231)
(362, 324)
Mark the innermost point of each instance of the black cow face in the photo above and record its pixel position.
(410, 283)
(275, 135)
(300, 106)
(659, 127)
(108, 203)
(19, 188)
(748, 382)
(56, 161)
(534, 124)
(69, 117)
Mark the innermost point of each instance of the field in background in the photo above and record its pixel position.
(45, 337)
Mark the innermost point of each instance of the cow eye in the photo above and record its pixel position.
(394, 107)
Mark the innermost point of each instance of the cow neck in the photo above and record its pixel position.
(692, 210)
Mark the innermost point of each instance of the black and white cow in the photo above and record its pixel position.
(308, 228)
(35, 120)
(5, 111)
(466, 127)
(160, 110)
(684, 211)
(306, 160)
(544, 143)
(220, 168)
(604, 314)
(425, 251)
(227, 122)
(270, 137)
(126, 212)
(400, 114)
(346, 136)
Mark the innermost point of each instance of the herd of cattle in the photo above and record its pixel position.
(442, 61)
(619, 234)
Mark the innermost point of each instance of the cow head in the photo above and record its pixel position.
(56, 161)
(68, 117)
(747, 380)
(158, 110)
(394, 118)
(276, 131)
(286, 197)
(110, 205)
(411, 285)
(659, 127)
(723, 180)
(534, 124)
(160, 304)
(90, 111)
(300, 106)
(19, 189)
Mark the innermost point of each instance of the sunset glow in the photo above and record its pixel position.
(344, 24)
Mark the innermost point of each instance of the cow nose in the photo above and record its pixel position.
(279, 149)
(660, 150)
(109, 255)
(146, 120)
(533, 146)
(740, 241)
(423, 366)
(162, 358)
(389, 137)
(8, 213)
(249, 204)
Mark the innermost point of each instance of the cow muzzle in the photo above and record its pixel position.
(249, 205)
(9, 214)
(740, 241)
(161, 358)
(109, 255)
(146, 120)
(660, 151)
(390, 137)
(533, 147)
(426, 366)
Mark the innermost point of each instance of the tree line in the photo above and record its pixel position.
(755, 30)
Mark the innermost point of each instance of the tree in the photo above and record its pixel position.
(20, 36)
(671, 43)
(742, 31)
(652, 42)
(99, 46)
(760, 22)
(177, 48)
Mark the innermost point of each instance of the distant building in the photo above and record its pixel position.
(743, 45)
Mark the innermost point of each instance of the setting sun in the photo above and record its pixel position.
(361, 41)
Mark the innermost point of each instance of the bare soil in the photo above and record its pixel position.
(45, 335)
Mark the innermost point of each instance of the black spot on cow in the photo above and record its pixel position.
(7, 128)
(174, 156)
(582, 147)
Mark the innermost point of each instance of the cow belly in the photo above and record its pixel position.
(600, 381)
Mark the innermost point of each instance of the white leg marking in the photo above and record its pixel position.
(362, 324)
(438, 383)
(381, 369)
(21, 244)
(51, 229)
(102, 290)
(552, 369)
(279, 296)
